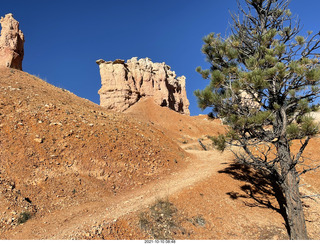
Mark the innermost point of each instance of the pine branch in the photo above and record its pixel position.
(310, 196)
(304, 145)
(309, 169)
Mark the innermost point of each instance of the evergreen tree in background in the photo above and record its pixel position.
(264, 79)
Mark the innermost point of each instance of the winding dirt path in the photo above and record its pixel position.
(66, 223)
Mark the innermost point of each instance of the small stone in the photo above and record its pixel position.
(39, 140)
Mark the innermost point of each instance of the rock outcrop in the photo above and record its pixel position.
(248, 100)
(11, 43)
(123, 84)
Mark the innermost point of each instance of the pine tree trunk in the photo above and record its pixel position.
(294, 209)
(290, 187)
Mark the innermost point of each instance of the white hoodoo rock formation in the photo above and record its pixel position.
(123, 84)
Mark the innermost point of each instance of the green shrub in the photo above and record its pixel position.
(24, 216)
(160, 221)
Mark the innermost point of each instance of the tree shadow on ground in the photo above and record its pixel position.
(259, 189)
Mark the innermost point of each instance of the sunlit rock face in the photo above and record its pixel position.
(11, 43)
(124, 84)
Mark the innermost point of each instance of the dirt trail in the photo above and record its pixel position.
(66, 224)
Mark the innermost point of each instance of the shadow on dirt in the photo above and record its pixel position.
(259, 190)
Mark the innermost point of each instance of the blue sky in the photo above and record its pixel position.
(64, 38)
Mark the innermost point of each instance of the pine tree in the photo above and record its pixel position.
(264, 78)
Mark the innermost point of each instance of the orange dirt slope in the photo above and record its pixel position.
(58, 150)
(86, 173)
(184, 129)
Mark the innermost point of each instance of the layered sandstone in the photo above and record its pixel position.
(11, 43)
(123, 84)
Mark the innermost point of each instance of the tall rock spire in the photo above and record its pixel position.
(11, 43)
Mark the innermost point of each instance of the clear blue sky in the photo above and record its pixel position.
(64, 38)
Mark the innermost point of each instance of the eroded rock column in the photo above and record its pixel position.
(11, 43)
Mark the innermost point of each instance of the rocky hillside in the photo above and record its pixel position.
(59, 150)
(185, 130)
(82, 172)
